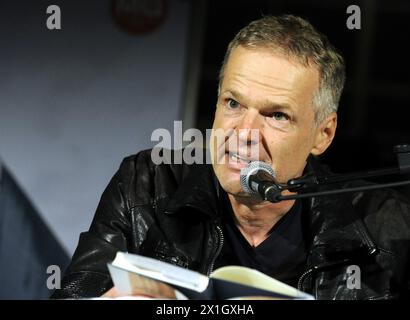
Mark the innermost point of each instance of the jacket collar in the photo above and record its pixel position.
(334, 227)
(198, 191)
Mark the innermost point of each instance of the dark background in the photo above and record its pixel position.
(373, 109)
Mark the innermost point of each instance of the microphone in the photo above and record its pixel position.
(258, 178)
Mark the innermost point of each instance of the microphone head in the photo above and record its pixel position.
(255, 167)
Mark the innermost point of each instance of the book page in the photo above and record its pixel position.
(136, 286)
(254, 278)
(161, 271)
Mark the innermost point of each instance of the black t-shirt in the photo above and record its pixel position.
(282, 255)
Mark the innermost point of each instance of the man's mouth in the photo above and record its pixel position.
(237, 158)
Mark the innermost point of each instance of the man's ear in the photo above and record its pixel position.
(325, 133)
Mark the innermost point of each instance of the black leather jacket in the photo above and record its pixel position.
(170, 212)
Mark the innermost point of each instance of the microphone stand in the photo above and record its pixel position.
(306, 183)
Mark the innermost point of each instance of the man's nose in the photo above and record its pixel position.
(249, 129)
(250, 119)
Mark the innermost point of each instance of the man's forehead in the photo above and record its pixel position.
(262, 62)
(274, 51)
(268, 78)
(263, 101)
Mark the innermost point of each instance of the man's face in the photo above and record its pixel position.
(265, 91)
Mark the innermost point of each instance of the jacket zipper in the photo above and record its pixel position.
(220, 244)
(303, 277)
(369, 242)
(318, 268)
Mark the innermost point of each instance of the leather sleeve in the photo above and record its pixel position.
(389, 225)
(87, 275)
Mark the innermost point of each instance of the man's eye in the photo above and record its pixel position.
(233, 104)
(280, 116)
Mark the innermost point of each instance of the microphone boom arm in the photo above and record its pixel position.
(304, 184)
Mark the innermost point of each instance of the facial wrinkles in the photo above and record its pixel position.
(276, 83)
(273, 140)
(238, 82)
(269, 88)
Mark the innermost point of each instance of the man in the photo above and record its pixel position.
(284, 79)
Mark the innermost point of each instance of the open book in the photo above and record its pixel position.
(138, 275)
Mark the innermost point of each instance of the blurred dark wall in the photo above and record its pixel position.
(74, 102)
(373, 108)
(27, 245)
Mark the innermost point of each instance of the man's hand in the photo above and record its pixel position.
(147, 288)
(112, 293)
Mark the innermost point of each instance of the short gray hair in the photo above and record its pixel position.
(296, 38)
